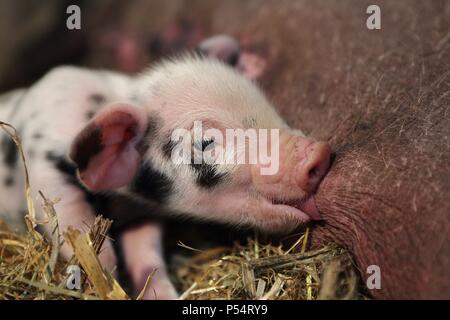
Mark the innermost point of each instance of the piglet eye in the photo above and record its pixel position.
(203, 144)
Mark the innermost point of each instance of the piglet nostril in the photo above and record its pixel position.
(314, 172)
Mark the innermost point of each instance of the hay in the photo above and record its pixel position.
(263, 272)
(28, 269)
(253, 271)
(30, 265)
(31, 268)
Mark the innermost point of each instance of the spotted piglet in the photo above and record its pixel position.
(136, 147)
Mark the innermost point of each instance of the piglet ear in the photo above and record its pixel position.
(105, 149)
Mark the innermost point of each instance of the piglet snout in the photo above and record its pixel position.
(303, 163)
(313, 167)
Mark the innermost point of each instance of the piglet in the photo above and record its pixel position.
(189, 136)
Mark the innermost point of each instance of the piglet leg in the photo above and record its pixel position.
(72, 209)
(142, 251)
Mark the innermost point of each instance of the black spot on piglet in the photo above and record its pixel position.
(167, 148)
(97, 98)
(37, 135)
(152, 184)
(64, 166)
(61, 163)
(9, 181)
(90, 115)
(207, 175)
(10, 153)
